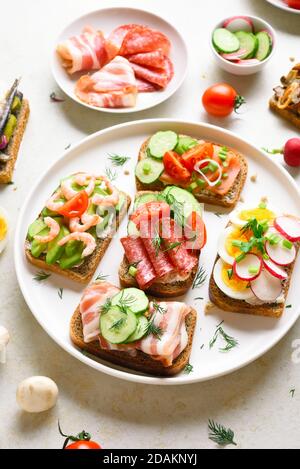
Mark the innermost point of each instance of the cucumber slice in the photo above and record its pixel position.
(225, 41)
(140, 331)
(249, 42)
(132, 229)
(149, 170)
(161, 142)
(116, 326)
(264, 45)
(133, 298)
(186, 201)
(35, 228)
(184, 144)
(143, 199)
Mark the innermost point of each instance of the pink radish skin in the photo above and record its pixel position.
(280, 255)
(239, 23)
(235, 55)
(266, 287)
(274, 269)
(291, 152)
(241, 268)
(289, 227)
(249, 62)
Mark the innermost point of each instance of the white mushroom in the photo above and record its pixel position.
(4, 339)
(37, 394)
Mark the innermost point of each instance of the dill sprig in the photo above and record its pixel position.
(40, 276)
(118, 160)
(177, 208)
(106, 306)
(101, 277)
(118, 324)
(158, 308)
(230, 341)
(199, 278)
(171, 246)
(60, 293)
(151, 328)
(292, 392)
(219, 434)
(156, 241)
(111, 174)
(188, 368)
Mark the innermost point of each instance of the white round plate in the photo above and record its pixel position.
(283, 6)
(108, 19)
(255, 335)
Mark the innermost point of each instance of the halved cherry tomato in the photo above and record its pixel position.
(197, 153)
(76, 206)
(221, 99)
(195, 232)
(294, 4)
(174, 167)
(81, 441)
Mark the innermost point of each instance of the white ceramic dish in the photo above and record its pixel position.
(256, 335)
(106, 20)
(283, 6)
(238, 69)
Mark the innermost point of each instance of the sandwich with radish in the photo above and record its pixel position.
(256, 255)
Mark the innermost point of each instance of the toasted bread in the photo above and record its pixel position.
(226, 303)
(228, 200)
(287, 114)
(141, 362)
(85, 271)
(7, 168)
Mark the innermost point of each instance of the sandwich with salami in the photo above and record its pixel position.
(213, 173)
(124, 327)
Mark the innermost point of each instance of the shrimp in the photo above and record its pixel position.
(106, 200)
(87, 222)
(52, 203)
(54, 230)
(81, 179)
(86, 238)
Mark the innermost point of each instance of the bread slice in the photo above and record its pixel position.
(84, 272)
(7, 168)
(226, 303)
(287, 114)
(228, 200)
(141, 362)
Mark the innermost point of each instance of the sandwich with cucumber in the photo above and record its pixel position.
(286, 98)
(14, 113)
(125, 327)
(212, 173)
(256, 256)
(76, 225)
(165, 236)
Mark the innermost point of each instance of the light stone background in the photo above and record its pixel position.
(255, 401)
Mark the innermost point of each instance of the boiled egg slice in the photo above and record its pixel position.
(3, 229)
(242, 215)
(231, 285)
(226, 250)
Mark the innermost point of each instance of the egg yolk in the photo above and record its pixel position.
(258, 213)
(235, 235)
(3, 228)
(234, 282)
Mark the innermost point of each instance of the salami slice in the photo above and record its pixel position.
(149, 59)
(159, 259)
(182, 259)
(144, 86)
(144, 39)
(160, 77)
(114, 41)
(136, 253)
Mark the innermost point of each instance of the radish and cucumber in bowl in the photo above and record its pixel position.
(242, 44)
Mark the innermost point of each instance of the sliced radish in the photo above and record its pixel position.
(289, 226)
(266, 287)
(279, 254)
(243, 268)
(239, 23)
(274, 269)
(249, 62)
(234, 55)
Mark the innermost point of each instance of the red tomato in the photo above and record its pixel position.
(294, 4)
(174, 167)
(221, 99)
(197, 153)
(76, 206)
(82, 444)
(80, 441)
(195, 232)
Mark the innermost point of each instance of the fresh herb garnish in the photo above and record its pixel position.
(56, 99)
(289, 306)
(230, 341)
(292, 392)
(40, 276)
(101, 277)
(219, 434)
(230, 273)
(106, 306)
(151, 328)
(118, 160)
(172, 246)
(111, 174)
(199, 278)
(199, 298)
(68, 146)
(118, 324)
(218, 214)
(188, 368)
(256, 241)
(158, 308)
(60, 293)
(275, 151)
(156, 241)
(202, 346)
(177, 208)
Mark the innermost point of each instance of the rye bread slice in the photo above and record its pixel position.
(141, 362)
(7, 168)
(228, 200)
(84, 272)
(286, 114)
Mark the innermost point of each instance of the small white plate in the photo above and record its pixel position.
(256, 335)
(283, 6)
(108, 19)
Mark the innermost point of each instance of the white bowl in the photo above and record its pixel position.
(239, 69)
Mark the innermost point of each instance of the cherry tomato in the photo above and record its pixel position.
(174, 167)
(294, 4)
(83, 444)
(80, 441)
(197, 153)
(221, 99)
(76, 206)
(195, 232)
